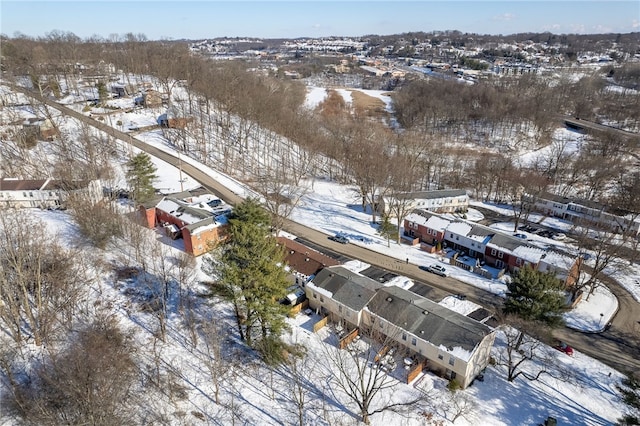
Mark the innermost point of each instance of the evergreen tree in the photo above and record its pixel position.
(251, 276)
(536, 296)
(387, 229)
(103, 93)
(630, 390)
(141, 172)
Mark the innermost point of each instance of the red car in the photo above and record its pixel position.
(563, 347)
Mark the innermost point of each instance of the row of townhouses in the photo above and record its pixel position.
(479, 247)
(452, 344)
(585, 212)
(440, 201)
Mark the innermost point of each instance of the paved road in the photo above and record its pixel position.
(590, 125)
(619, 347)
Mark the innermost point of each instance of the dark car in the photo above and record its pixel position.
(339, 239)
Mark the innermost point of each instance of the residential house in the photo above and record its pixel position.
(455, 345)
(45, 193)
(174, 119)
(152, 98)
(452, 344)
(586, 212)
(441, 201)
(429, 228)
(303, 261)
(121, 90)
(39, 128)
(201, 221)
(341, 294)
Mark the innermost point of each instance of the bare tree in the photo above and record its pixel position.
(219, 366)
(364, 381)
(281, 195)
(39, 279)
(524, 355)
(90, 382)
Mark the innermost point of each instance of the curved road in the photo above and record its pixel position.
(617, 347)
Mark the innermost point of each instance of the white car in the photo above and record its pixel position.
(559, 236)
(438, 270)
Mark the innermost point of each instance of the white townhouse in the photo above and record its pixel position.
(455, 345)
(441, 201)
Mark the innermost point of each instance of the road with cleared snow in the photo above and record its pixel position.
(618, 347)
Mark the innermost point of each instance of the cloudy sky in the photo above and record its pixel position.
(289, 19)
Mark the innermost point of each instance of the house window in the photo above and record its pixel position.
(493, 252)
(31, 194)
(321, 299)
(404, 336)
(315, 296)
(414, 341)
(440, 357)
(24, 194)
(518, 261)
(500, 255)
(450, 235)
(452, 361)
(340, 308)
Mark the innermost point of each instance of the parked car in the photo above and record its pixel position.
(585, 255)
(563, 347)
(558, 236)
(438, 270)
(522, 236)
(339, 239)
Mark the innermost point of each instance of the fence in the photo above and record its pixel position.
(415, 371)
(297, 308)
(320, 324)
(348, 338)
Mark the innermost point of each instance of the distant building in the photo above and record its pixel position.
(152, 99)
(174, 119)
(44, 193)
(440, 201)
(586, 212)
(39, 128)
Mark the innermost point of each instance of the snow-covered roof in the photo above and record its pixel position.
(452, 332)
(203, 212)
(459, 228)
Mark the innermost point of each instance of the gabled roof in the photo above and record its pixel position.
(428, 219)
(9, 184)
(303, 259)
(430, 195)
(21, 185)
(428, 320)
(348, 288)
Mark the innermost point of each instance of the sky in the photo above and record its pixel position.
(302, 18)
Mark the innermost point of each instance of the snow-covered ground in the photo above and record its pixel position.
(260, 396)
